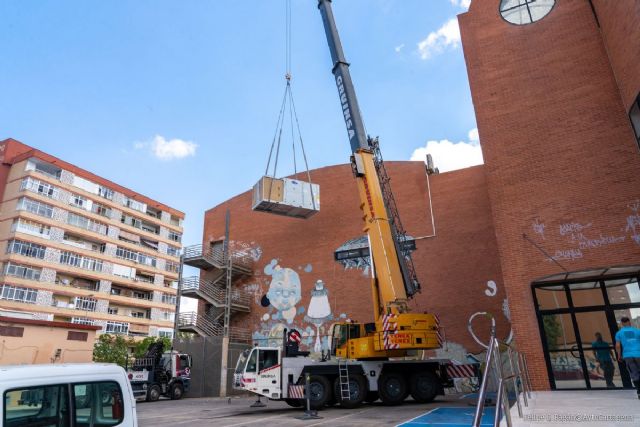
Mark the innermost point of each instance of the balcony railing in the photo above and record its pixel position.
(216, 257)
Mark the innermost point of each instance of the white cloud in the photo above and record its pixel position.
(447, 36)
(399, 48)
(171, 149)
(448, 156)
(461, 3)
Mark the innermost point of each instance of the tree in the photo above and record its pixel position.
(552, 330)
(142, 346)
(112, 349)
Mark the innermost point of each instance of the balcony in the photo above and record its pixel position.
(215, 293)
(203, 326)
(213, 258)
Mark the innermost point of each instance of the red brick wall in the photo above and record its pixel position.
(558, 151)
(453, 266)
(620, 26)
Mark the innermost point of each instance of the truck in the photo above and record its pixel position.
(160, 373)
(366, 361)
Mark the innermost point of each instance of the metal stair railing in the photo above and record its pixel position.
(215, 257)
(192, 319)
(519, 376)
(216, 290)
(343, 372)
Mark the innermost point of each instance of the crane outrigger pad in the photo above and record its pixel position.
(285, 196)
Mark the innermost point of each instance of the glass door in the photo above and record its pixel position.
(578, 322)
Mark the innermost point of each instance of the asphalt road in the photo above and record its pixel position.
(236, 411)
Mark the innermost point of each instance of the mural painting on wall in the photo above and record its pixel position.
(284, 309)
(583, 236)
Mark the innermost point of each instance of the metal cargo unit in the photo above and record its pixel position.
(288, 197)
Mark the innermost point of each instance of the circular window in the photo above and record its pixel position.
(522, 12)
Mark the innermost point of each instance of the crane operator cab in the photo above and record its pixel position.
(258, 371)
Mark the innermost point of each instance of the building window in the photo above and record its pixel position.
(168, 315)
(168, 299)
(22, 271)
(26, 249)
(522, 13)
(31, 227)
(85, 303)
(82, 321)
(11, 331)
(634, 116)
(136, 205)
(19, 294)
(165, 334)
(79, 201)
(77, 336)
(86, 223)
(116, 327)
(40, 187)
(79, 261)
(44, 168)
(176, 237)
(35, 207)
(135, 257)
(105, 192)
(172, 267)
(113, 311)
(173, 251)
(102, 210)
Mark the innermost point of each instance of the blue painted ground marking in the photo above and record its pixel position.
(450, 417)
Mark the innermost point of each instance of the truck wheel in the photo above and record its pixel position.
(294, 403)
(424, 387)
(319, 391)
(153, 394)
(357, 391)
(177, 390)
(392, 388)
(371, 396)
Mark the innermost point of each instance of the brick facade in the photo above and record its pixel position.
(559, 150)
(455, 262)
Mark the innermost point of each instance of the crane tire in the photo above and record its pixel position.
(392, 388)
(424, 386)
(357, 388)
(320, 391)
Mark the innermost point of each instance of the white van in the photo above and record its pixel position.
(66, 395)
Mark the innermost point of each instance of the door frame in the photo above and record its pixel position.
(606, 307)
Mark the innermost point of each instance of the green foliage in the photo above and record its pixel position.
(552, 330)
(142, 346)
(112, 349)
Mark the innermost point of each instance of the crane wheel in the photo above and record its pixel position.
(319, 391)
(357, 391)
(424, 387)
(392, 388)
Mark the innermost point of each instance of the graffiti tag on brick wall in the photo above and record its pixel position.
(633, 221)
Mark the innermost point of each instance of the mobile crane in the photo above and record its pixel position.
(364, 366)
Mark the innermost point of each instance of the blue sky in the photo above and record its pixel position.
(178, 100)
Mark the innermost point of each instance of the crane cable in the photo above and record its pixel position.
(288, 104)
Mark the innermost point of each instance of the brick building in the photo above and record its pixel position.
(78, 248)
(545, 235)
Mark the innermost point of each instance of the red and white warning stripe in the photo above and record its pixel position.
(388, 345)
(438, 334)
(389, 322)
(462, 371)
(296, 392)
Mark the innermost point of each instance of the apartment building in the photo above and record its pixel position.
(75, 247)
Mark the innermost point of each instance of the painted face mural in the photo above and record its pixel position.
(284, 291)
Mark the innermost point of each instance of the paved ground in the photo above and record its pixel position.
(236, 412)
(610, 408)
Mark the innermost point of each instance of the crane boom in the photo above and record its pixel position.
(348, 99)
(395, 330)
